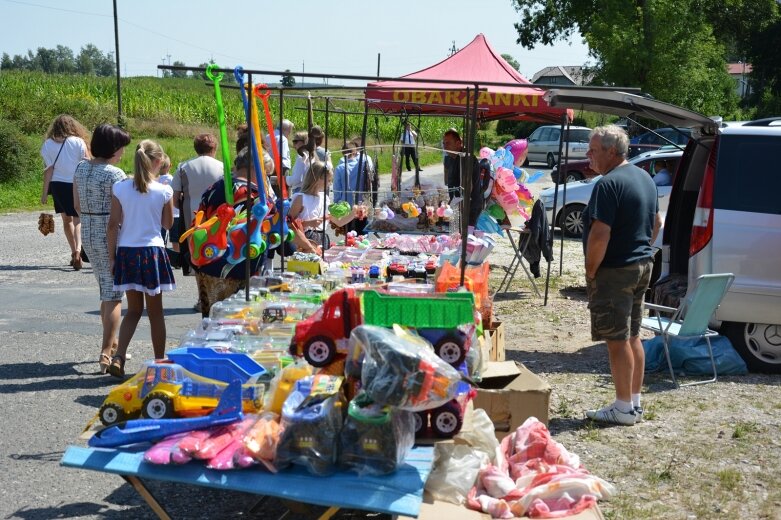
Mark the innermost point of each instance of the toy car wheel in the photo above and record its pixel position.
(446, 421)
(450, 350)
(157, 406)
(111, 414)
(420, 421)
(319, 351)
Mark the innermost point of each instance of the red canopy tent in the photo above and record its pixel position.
(477, 63)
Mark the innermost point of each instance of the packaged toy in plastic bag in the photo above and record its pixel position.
(312, 419)
(282, 384)
(375, 439)
(401, 369)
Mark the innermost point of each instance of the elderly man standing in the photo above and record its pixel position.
(192, 178)
(620, 224)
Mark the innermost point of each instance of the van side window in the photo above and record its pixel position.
(746, 177)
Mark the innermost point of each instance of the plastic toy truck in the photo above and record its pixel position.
(164, 390)
(220, 364)
(438, 318)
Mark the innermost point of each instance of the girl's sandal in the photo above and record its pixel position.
(104, 362)
(117, 367)
(76, 262)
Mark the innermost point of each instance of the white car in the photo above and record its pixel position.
(569, 211)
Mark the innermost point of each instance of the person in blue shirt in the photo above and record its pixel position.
(346, 176)
(662, 177)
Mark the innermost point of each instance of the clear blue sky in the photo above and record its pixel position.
(332, 37)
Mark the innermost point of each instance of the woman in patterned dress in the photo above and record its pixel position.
(92, 184)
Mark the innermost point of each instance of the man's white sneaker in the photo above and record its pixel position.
(612, 415)
(638, 414)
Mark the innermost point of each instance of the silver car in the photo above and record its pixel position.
(569, 212)
(544, 144)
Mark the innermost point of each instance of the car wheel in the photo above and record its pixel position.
(550, 160)
(157, 406)
(446, 421)
(450, 349)
(571, 220)
(111, 414)
(319, 351)
(759, 344)
(420, 422)
(573, 177)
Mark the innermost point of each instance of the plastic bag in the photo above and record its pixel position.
(456, 467)
(478, 432)
(167, 451)
(401, 369)
(261, 440)
(311, 421)
(282, 384)
(375, 439)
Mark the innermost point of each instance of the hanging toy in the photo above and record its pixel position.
(391, 214)
(361, 211)
(237, 236)
(448, 212)
(208, 240)
(279, 230)
(226, 159)
(431, 215)
(441, 210)
(411, 209)
(496, 211)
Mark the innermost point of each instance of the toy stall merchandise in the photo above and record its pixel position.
(412, 211)
(375, 439)
(163, 390)
(312, 419)
(322, 335)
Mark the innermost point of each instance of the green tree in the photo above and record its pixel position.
(512, 61)
(179, 73)
(668, 48)
(288, 80)
(6, 63)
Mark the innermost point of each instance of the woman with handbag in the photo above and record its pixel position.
(93, 187)
(65, 147)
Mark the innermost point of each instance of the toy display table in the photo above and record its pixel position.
(400, 493)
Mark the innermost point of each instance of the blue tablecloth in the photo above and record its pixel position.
(398, 494)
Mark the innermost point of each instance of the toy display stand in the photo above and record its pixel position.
(400, 493)
(411, 210)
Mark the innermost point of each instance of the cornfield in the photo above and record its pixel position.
(32, 100)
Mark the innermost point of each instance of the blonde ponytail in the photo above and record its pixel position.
(147, 152)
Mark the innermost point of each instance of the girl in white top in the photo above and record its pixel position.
(311, 204)
(65, 147)
(137, 252)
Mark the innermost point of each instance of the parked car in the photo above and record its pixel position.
(581, 170)
(569, 213)
(544, 144)
(663, 136)
(724, 215)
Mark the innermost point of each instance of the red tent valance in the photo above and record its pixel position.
(475, 63)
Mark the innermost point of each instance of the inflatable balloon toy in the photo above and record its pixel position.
(496, 211)
(485, 152)
(226, 159)
(208, 240)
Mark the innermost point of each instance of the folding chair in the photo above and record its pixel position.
(690, 319)
(519, 247)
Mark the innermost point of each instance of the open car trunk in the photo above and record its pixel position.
(686, 187)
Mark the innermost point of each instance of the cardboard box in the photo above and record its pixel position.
(496, 336)
(304, 268)
(432, 509)
(510, 393)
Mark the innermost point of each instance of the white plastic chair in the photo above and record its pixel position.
(690, 319)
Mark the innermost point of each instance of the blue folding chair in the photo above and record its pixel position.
(690, 319)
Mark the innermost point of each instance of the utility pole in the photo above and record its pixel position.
(119, 81)
(453, 49)
(303, 71)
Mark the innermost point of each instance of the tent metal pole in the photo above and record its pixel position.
(328, 174)
(250, 216)
(466, 181)
(564, 195)
(564, 120)
(280, 179)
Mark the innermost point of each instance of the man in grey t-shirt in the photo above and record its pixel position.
(619, 226)
(195, 176)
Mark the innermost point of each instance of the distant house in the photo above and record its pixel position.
(739, 72)
(562, 75)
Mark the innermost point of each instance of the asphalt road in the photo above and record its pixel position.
(49, 386)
